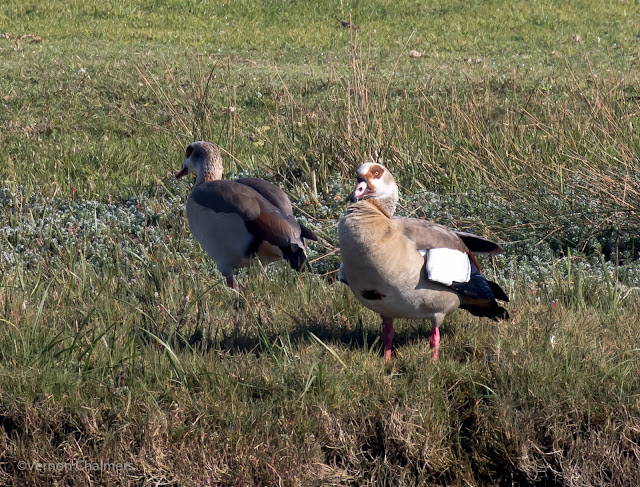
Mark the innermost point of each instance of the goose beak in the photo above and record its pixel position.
(183, 172)
(362, 188)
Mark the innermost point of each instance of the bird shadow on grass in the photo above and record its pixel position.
(352, 336)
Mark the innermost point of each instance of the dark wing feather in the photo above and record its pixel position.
(276, 229)
(226, 196)
(278, 198)
(498, 292)
(429, 235)
(479, 245)
(477, 287)
(308, 233)
(478, 296)
(272, 193)
(262, 219)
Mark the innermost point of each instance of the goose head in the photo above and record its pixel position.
(375, 182)
(204, 159)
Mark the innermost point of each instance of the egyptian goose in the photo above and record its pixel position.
(236, 220)
(407, 267)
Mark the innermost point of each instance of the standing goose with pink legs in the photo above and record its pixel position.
(408, 267)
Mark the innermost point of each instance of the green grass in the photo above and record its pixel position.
(118, 338)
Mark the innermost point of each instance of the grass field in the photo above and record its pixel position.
(518, 121)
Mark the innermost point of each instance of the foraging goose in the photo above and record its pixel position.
(407, 267)
(236, 220)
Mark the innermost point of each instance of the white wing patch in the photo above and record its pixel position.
(447, 266)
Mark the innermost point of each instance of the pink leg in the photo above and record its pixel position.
(387, 337)
(230, 281)
(434, 342)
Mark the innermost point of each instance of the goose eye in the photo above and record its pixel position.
(189, 151)
(376, 173)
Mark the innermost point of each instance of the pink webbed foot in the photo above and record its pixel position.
(387, 338)
(434, 342)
